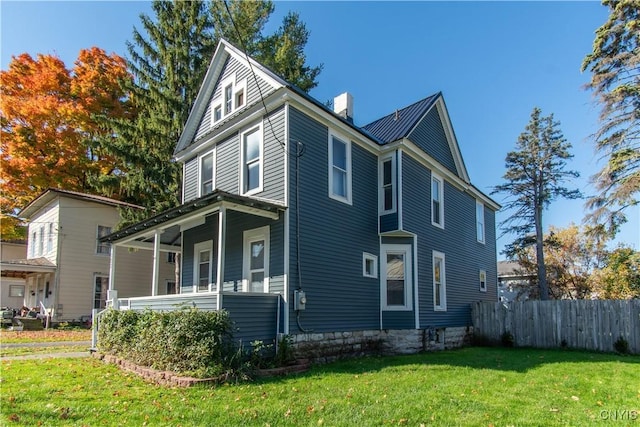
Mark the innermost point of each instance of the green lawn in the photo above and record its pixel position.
(47, 335)
(472, 386)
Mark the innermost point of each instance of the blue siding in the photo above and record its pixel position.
(464, 256)
(190, 180)
(389, 222)
(228, 165)
(430, 136)
(254, 316)
(398, 319)
(333, 236)
(202, 233)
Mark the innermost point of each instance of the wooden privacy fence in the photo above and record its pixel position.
(583, 324)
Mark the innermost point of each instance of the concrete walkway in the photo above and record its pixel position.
(52, 354)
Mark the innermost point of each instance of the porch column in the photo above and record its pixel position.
(156, 263)
(221, 238)
(112, 268)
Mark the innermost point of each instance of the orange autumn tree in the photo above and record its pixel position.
(51, 129)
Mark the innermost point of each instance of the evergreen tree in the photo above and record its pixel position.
(615, 67)
(534, 178)
(168, 58)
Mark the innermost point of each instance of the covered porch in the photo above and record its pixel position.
(229, 254)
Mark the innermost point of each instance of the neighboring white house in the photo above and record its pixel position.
(12, 284)
(66, 268)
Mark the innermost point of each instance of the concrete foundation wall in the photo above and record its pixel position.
(330, 346)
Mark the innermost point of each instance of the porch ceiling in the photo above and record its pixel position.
(170, 221)
(22, 267)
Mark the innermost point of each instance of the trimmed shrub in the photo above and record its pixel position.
(188, 341)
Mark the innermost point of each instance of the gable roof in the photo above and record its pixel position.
(399, 124)
(50, 194)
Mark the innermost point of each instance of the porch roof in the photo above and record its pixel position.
(204, 205)
(21, 267)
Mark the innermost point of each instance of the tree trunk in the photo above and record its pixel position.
(542, 270)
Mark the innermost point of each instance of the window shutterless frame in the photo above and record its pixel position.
(339, 149)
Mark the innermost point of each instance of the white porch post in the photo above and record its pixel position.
(221, 238)
(156, 263)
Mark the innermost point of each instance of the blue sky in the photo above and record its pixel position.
(493, 61)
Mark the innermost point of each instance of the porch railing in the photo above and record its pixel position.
(203, 301)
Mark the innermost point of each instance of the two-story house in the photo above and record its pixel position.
(66, 270)
(296, 220)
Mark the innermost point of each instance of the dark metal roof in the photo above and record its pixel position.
(398, 124)
(204, 201)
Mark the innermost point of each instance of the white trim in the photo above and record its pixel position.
(482, 279)
(394, 184)
(222, 233)
(443, 281)
(259, 129)
(480, 222)
(287, 243)
(201, 158)
(369, 257)
(415, 282)
(241, 86)
(250, 236)
(437, 178)
(155, 277)
(347, 142)
(399, 191)
(197, 249)
(397, 249)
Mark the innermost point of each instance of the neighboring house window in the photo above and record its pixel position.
(369, 265)
(103, 247)
(439, 282)
(16, 290)
(101, 285)
(388, 185)
(480, 222)
(339, 169)
(171, 287)
(50, 238)
(203, 264)
(171, 257)
(437, 201)
(483, 281)
(396, 277)
(256, 260)
(252, 170)
(207, 173)
(41, 242)
(34, 241)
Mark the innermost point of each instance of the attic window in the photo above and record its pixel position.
(228, 99)
(240, 98)
(232, 96)
(217, 113)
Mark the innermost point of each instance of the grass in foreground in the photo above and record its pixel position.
(472, 386)
(48, 335)
(22, 351)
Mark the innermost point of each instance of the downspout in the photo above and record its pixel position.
(56, 294)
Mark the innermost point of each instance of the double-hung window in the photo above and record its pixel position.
(439, 282)
(483, 281)
(50, 238)
(256, 260)
(41, 242)
(32, 244)
(437, 201)
(233, 96)
(207, 173)
(340, 168)
(480, 221)
(202, 265)
(387, 185)
(228, 99)
(103, 248)
(252, 153)
(396, 268)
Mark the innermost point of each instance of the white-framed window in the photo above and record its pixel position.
(439, 282)
(339, 168)
(233, 96)
(256, 260)
(103, 248)
(202, 266)
(251, 175)
(217, 112)
(437, 201)
(240, 95)
(396, 283)
(479, 221)
(50, 238)
(34, 241)
(387, 180)
(369, 265)
(41, 242)
(16, 290)
(207, 173)
(483, 280)
(100, 288)
(228, 98)
(171, 257)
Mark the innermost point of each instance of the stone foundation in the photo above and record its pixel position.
(329, 346)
